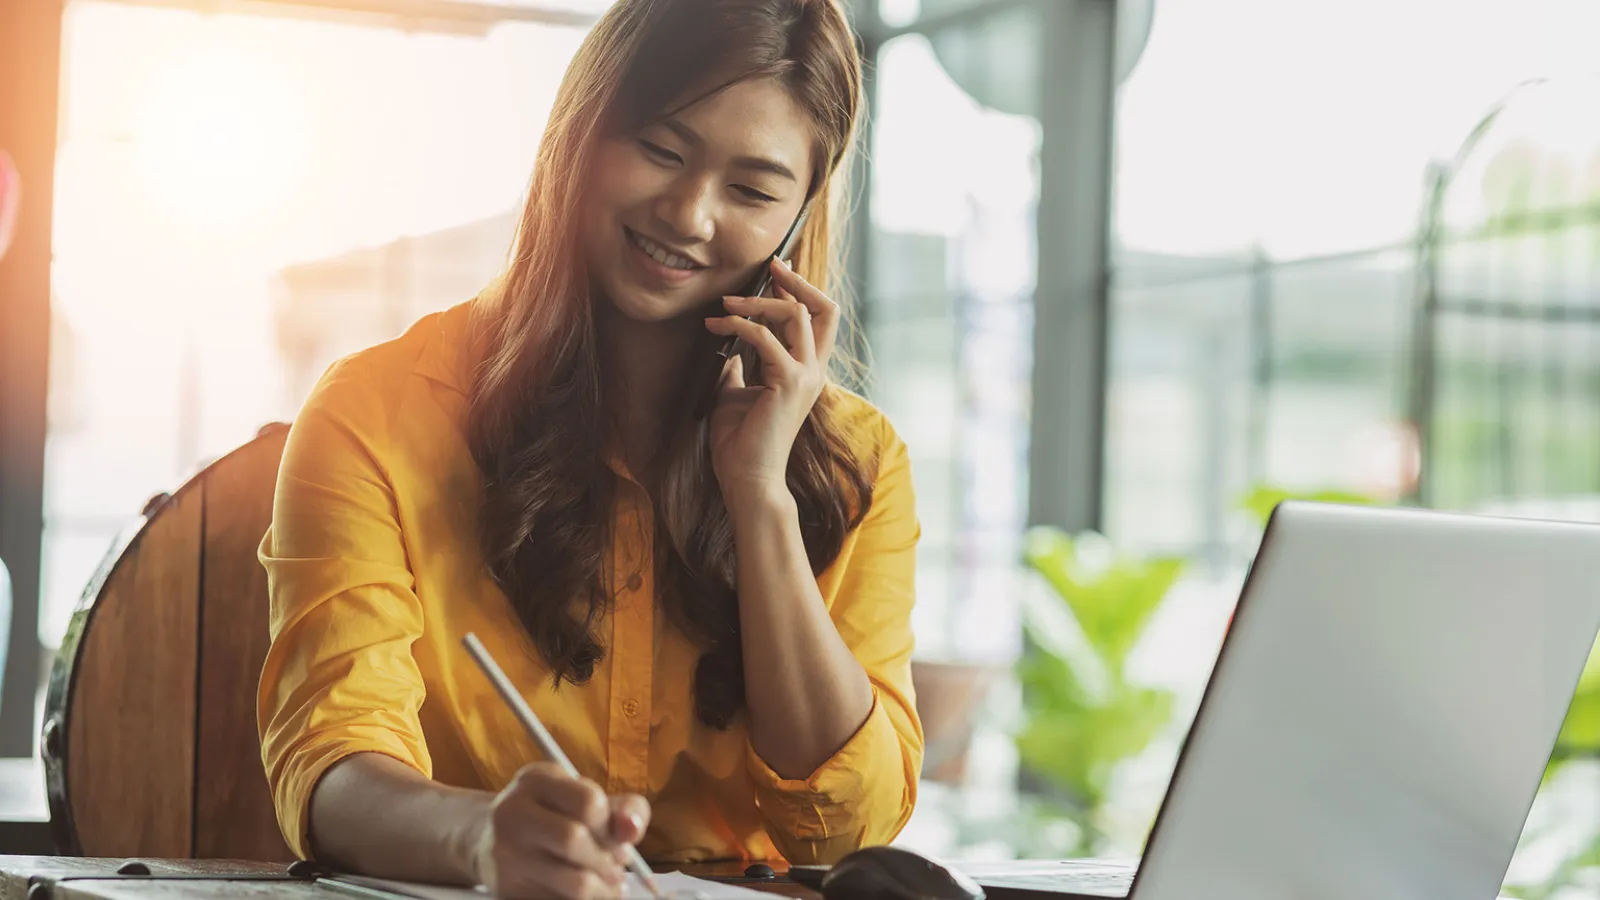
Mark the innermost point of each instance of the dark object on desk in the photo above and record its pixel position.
(809, 876)
(168, 764)
(895, 873)
(307, 869)
(756, 874)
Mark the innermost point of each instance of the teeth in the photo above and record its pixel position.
(658, 253)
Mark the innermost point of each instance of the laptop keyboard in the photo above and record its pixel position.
(1092, 880)
(1123, 880)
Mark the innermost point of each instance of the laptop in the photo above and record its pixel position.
(1378, 721)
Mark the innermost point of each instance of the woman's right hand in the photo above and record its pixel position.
(549, 836)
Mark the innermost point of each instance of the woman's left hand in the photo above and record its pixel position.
(753, 427)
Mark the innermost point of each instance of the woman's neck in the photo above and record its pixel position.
(644, 365)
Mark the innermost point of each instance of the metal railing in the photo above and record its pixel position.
(1488, 359)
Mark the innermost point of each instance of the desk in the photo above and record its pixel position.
(18, 873)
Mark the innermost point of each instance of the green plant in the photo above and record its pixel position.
(1580, 733)
(1261, 499)
(1082, 714)
(1579, 741)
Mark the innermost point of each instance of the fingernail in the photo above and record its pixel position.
(782, 262)
(636, 822)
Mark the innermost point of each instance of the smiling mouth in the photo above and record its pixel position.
(659, 253)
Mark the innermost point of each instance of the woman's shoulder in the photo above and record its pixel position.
(868, 428)
(878, 447)
(384, 376)
(392, 404)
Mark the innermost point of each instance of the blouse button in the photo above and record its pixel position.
(635, 582)
(630, 709)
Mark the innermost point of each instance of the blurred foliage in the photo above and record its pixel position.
(1082, 714)
(1580, 735)
(1579, 742)
(1262, 499)
(1469, 462)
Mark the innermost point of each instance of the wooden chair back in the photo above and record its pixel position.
(149, 741)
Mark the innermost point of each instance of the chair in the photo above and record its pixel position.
(149, 740)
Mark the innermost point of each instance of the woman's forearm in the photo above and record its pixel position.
(375, 815)
(805, 691)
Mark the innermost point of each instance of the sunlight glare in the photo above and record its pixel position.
(220, 137)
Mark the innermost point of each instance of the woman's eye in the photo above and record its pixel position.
(660, 152)
(754, 194)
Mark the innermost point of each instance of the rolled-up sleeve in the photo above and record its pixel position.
(865, 792)
(339, 677)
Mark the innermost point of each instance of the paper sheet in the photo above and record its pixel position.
(678, 886)
(674, 886)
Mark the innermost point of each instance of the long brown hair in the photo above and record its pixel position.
(537, 421)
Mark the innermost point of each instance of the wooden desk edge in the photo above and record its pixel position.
(18, 873)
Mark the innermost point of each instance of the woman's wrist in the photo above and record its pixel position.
(464, 835)
(753, 502)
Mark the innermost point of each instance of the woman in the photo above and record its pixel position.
(711, 616)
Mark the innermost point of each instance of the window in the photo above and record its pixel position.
(240, 201)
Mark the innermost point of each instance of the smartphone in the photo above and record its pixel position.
(757, 287)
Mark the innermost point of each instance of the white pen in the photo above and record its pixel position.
(542, 735)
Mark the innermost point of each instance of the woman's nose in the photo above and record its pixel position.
(687, 210)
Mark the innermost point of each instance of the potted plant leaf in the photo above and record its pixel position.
(1083, 716)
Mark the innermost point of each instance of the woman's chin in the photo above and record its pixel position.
(647, 308)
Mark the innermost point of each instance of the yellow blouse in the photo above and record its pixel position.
(375, 575)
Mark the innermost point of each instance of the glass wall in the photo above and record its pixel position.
(949, 305)
(1275, 165)
(1268, 191)
(950, 262)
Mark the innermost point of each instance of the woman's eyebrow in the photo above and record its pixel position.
(752, 163)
